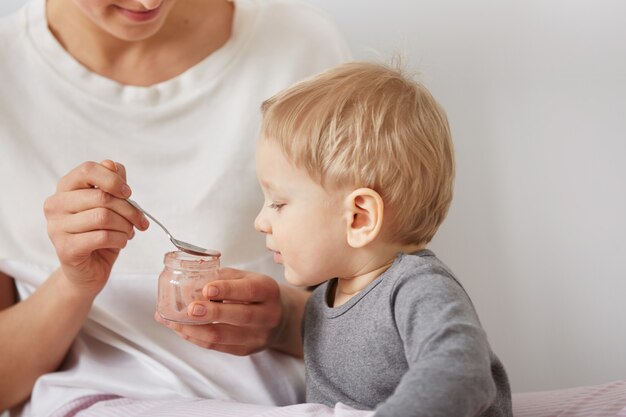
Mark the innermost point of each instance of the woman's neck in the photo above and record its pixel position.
(192, 31)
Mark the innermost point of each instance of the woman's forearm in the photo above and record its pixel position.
(36, 335)
(290, 338)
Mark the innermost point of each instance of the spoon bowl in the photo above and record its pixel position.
(183, 246)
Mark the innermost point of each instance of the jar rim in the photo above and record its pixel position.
(186, 261)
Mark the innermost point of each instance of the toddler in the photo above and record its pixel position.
(357, 167)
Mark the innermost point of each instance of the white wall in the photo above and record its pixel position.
(7, 6)
(536, 95)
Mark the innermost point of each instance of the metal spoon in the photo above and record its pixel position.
(183, 246)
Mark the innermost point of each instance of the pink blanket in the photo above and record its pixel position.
(607, 400)
(107, 406)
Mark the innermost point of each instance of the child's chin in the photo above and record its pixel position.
(294, 279)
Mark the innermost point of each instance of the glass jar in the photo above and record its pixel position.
(181, 282)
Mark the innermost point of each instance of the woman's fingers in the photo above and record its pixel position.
(92, 174)
(121, 169)
(115, 167)
(225, 338)
(248, 318)
(72, 249)
(90, 221)
(242, 286)
(220, 336)
(97, 219)
(80, 201)
(211, 337)
(238, 314)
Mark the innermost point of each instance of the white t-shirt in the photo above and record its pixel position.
(188, 146)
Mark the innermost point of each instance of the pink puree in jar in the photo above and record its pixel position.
(181, 283)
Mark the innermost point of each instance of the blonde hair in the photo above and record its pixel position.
(368, 125)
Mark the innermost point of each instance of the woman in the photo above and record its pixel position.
(170, 90)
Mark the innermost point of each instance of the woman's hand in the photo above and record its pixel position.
(251, 313)
(89, 221)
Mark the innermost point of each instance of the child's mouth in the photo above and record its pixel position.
(278, 257)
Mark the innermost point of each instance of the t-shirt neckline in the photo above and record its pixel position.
(332, 312)
(204, 74)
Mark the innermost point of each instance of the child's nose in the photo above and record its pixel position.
(261, 224)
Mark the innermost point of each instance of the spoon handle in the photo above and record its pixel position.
(138, 207)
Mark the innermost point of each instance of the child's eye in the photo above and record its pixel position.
(276, 206)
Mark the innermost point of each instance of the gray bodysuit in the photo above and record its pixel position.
(409, 344)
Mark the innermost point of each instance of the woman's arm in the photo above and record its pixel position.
(8, 295)
(36, 333)
(89, 222)
(289, 337)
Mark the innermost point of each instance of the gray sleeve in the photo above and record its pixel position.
(446, 350)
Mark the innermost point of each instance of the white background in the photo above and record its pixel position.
(535, 91)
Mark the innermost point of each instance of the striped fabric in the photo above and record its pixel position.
(73, 407)
(607, 400)
(101, 406)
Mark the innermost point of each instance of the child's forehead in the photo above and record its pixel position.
(266, 145)
(267, 184)
(273, 168)
(271, 157)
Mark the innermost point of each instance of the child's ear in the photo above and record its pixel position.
(364, 216)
